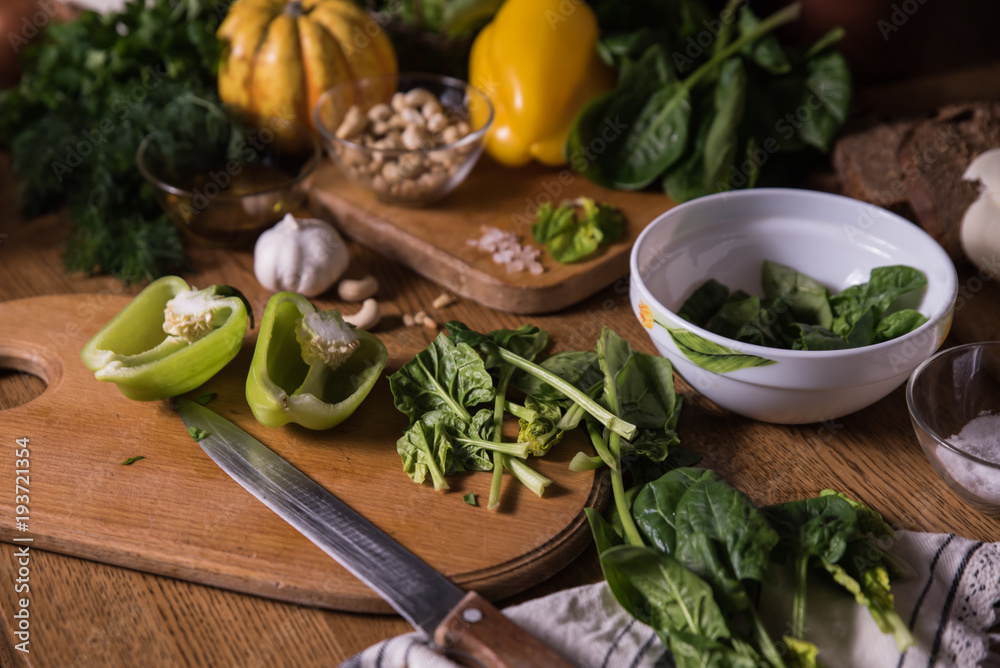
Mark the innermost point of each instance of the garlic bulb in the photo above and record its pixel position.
(303, 255)
(980, 231)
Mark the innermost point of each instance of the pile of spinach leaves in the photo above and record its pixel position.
(456, 395)
(574, 229)
(799, 313)
(706, 553)
(704, 103)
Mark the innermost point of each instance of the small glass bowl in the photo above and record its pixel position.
(397, 175)
(954, 404)
(228, 202)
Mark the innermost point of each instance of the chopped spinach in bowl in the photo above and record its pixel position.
(799, 313)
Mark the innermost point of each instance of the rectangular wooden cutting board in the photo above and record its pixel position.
(433, 241)
(176, 513)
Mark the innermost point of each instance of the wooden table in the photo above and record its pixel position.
(89, 614)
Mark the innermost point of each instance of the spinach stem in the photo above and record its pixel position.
(528, 476)
(499, 402)
(767, 647)
(571, 418)
(519, 450)
(632, 534)
(582, 463)
(799, 599)
(606, 417)
(517, 410)
(597, 439)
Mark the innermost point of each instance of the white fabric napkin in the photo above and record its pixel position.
(948, 601)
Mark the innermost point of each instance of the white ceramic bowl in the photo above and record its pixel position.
(834, 239)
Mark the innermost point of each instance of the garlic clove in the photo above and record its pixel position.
(980, 232)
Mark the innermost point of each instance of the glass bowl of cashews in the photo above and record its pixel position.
(409, 138)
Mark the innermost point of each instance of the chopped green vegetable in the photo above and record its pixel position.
(470, 499)
(132, 460)
(799, 313)
(198, 434)
(169, 339)
(310, 367)
(576, 228)
(206, 397)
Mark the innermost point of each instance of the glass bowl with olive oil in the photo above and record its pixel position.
(226, 192)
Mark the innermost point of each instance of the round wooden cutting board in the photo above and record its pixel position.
(176, 513)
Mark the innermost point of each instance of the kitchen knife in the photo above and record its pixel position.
(459, 622)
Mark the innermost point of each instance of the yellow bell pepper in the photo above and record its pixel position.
(538, 63)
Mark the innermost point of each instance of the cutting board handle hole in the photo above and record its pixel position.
(26, 374)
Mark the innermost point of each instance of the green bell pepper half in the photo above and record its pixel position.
(169, 339)
(309, 366)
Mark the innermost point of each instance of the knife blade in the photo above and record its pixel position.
(457, 621)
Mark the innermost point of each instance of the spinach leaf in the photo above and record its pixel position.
(870, 588)
(655, 506)
(543, 432)
(426, 449)
(576, 228)
(704, 302)
(656, 138)
(686, 179)
(821, 526)
(661, 592)
(869, 520)
(898, 323)
(807, 299)
(828, 80)
(721, 141)
(723, 537)
(765, 52)
(447, 375)
(814, 337)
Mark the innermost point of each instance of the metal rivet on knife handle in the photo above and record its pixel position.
(478, 629)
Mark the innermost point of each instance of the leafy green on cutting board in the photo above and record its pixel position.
(575, 229)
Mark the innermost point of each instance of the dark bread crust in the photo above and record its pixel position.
(933, 157)
(914, 166)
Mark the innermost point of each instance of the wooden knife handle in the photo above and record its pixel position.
(481, 631)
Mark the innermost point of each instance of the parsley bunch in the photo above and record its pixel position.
(89, 94)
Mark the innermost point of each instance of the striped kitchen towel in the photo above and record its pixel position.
(948, 600)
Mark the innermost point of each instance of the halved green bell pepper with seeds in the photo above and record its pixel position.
(309, 366)
(169, 339)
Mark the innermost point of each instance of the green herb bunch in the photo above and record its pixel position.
(704, 104)
(89, 94)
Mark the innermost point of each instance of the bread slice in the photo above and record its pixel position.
(934, 155)
(866, 164)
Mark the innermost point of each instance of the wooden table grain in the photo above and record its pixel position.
(87, 614)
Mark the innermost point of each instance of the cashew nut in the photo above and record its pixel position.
(367, 317)
(357, 290)
(353, 124)
(415, 121)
